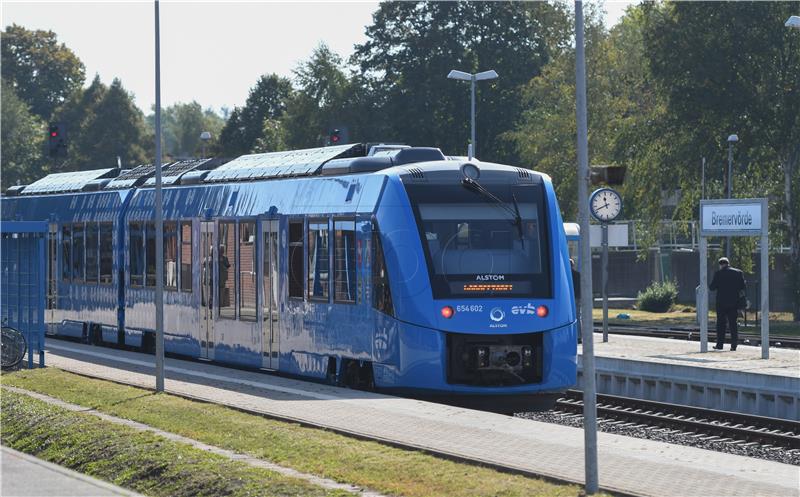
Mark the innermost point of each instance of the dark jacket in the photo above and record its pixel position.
(727, 282)
(576, 284)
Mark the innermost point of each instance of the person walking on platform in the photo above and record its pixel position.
(576, 286)
(730, 286)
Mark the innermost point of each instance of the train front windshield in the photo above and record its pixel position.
(483, 241)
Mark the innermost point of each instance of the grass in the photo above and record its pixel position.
(143, 462)
(369, 464)
(780, 323)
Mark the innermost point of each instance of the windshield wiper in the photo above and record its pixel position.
(474, 185)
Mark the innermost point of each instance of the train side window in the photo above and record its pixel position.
(78, 253)
(318, 260)
(170, 256)
(136, 251)
(247, 271)
(296, 259)
(381, 293)
(92, 255)
(66, 253)
(150, 254)
(106, 252)
(226, 266)
(344, 261)
(186, 256)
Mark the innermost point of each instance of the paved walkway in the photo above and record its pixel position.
(782, 362)
(627, 465)
(23, 475)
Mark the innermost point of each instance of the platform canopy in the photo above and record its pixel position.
(66, 182)
(306, 162)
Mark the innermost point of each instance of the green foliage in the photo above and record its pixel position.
(22, 137)
(181, 126)
(273, 137)
(41, 71)
(658, 297)
(412, 46)
(267, 100)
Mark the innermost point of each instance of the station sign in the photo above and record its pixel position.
(733, 217)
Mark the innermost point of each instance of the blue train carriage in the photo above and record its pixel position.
(84, 240)
(390, 267)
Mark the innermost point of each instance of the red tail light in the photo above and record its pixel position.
(542, 311)
(447, 312)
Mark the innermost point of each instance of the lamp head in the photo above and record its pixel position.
(486, 75)
(464, 76)
(793, 22)
(733, 138)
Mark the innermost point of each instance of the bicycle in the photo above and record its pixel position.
(13, 346)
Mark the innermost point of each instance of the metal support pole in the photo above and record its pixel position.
(703, 180)
(604, 229)
(159, 224)
(587, 325)
(764, 280)
(474, 140)
(728, 193)
(702, 312)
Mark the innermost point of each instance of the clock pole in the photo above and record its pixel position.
(604, 229)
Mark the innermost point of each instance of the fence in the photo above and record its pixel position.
(23, 259)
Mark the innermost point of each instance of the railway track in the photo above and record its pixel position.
(784, 341)
(725, 426)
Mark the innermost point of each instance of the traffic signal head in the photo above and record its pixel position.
(335, 137)
(56, 140)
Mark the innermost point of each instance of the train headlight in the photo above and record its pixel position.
(470, 171)
(447, 312)
(542, 311)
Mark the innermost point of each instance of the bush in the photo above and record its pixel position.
(658, 297)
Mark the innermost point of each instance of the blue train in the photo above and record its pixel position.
(388, 267)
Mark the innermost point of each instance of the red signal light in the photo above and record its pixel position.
(447, 312)
(335, 138)
(542, 311)
(54, 133)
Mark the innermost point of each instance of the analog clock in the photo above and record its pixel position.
(605, 204)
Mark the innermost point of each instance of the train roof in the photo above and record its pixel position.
(329, 161)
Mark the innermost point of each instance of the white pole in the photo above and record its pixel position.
(702, 312)
(589, 388)
(474, 142)
(764, 279)
(159, 225)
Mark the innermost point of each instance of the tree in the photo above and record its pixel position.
(21, 140)
(412, 46)
(42, 72)
(267, 100)
(321, 101)
(103, 123)
(732, 67)
(181, 126)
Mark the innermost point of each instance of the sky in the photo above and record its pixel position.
(211, 52)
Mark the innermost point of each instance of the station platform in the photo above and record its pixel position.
(23, 475)
(628, 466)
(675, 371)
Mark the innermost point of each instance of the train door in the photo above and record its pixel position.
(207, 239)
(52, 272)
(270, 294)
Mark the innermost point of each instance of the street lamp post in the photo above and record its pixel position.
(731, 140)
(205, 136)
(159, 223)
(472, 78)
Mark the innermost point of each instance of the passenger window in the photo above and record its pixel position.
(106, 252)
(66, 253)
(186, 256)
(78, 247)
(344, 260)
(150, 254)
(247, 271)
(170, 256)
(381, 293)
(318, 260)
(92, 256)
(136, 254)
(226, 275)
(296, 259)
